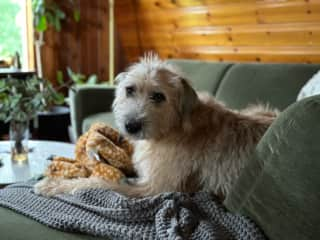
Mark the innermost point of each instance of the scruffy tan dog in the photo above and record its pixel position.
(184, 141)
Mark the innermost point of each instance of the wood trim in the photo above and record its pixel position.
(30, 37)
(111, 42)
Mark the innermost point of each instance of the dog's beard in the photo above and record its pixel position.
(152, 128)
(136, 136)
(145, 134)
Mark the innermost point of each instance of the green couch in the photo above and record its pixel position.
(279, 187)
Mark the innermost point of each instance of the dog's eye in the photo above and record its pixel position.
(157, 97)
(130, 91)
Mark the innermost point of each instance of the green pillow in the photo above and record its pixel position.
(280, 186)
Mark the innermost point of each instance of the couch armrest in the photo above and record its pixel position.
(87, 100)
(279, 187)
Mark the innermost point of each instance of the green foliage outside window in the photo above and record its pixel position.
(49, 13)
(10, 32)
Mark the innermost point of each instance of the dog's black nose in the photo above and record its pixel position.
(133, 126)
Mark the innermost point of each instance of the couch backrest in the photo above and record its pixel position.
(204, 76)
(240, 84)
(275, 84)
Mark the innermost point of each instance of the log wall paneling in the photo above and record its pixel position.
(221, 30)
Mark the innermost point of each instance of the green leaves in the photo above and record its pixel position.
(3, 86)
(42, 24)
(39, 17)
(59, 98)
(48, 13)
(93, 79)
(60, 77)
(79, 78)
(76, 15)
(21, 99)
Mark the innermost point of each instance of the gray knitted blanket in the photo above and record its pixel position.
(109, 214)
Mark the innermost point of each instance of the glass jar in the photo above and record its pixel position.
(19, 135)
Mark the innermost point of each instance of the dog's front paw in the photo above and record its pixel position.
(49, 187)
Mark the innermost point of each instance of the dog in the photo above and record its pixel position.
(184, 141)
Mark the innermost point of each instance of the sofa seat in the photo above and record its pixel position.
(105, 117)
(15, 226)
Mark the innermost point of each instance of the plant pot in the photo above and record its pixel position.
(19, 135)
(53, 124)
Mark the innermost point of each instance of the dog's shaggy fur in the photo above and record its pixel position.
(184, 141)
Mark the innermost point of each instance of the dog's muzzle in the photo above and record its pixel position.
(133, 126)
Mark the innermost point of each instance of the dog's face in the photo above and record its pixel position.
(151, 100)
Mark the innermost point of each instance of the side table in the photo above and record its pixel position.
(40, 151)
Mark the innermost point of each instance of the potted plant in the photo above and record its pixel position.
(20, 100)
(48, 14)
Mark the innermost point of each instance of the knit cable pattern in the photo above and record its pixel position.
(108, 214)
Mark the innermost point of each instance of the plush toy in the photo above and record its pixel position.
(101, 151)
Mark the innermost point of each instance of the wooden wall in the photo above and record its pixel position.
(83, 46)
(221, 30)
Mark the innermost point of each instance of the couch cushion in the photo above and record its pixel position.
(277, 84)
(14, 226)
(279, 187)
(204, 76)
(105, 117)
(86, 100)
(311, 88)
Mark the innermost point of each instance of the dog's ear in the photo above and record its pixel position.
(120, 77)
(188, 98)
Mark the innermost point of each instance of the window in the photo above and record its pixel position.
(16, 33)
